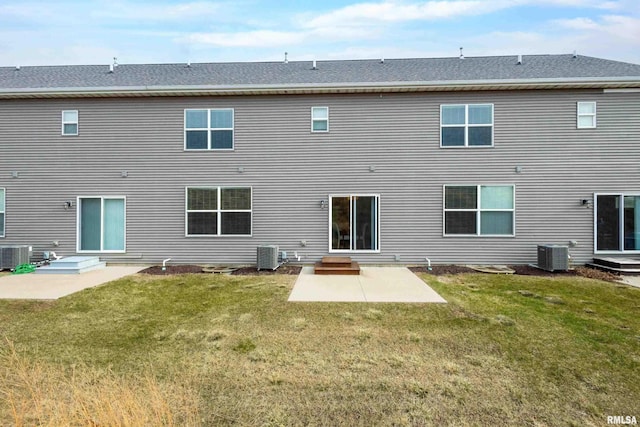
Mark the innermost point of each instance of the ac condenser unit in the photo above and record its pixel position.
(13, 256)
(553, 257)
(267, 257)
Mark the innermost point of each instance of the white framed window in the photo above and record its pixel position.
(586, 115)
(209, 129)
(2, 210)
(70, 122)
(479, 210)
(218, 211)
(101, 224)
(466, 125)
(319, 119)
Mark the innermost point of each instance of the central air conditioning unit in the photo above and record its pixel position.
(553, 257)
(267, 257)
(13, 256)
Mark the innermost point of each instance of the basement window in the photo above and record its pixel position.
(70, 122)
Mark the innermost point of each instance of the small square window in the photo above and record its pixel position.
(320, 119)
(586, 115)
(466, 125)
(70, 122)
(210, 129)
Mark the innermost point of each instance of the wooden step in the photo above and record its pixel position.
(627, 266)
(336, 261)
(618, 263)
(344, 269)
(341, 265)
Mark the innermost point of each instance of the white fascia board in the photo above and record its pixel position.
(417, 86)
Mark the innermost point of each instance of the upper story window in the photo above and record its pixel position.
(479, 210)
(2, 191)
(466, 125)
(218, 211)
(70, 122)
(586, 115)
(209, 129)
(319, 119)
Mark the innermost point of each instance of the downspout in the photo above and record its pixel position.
(164, 264)
(428, 263)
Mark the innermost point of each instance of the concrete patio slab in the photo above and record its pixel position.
(631, 281)
(54, 286)
(374, 284)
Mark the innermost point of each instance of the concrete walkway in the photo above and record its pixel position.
(631, 281)
(374, 284)
(54, 286)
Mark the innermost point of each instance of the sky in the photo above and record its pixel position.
(66, 32)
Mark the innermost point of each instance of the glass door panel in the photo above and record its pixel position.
(365, 222)
(113, 229)
(632, 223)
(340, 223)
(90, 214)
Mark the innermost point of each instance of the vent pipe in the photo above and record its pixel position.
(111, 68)
(519, 59)
(575, 54)
(314, 67)
(382, 60)
(286, 59)
(461, 54)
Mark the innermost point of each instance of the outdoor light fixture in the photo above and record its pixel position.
(518, 169)
(68, 204)
(323, 204)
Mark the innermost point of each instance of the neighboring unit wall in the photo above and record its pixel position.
(387, 145)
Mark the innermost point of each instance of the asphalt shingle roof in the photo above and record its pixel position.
(300, 73)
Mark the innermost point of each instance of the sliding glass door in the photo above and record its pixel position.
(101, 224)
(354, 223)
(617, 222)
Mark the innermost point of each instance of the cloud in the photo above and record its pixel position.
(394, 11)
(158, 12)
(258, 38)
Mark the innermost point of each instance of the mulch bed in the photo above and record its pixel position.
(437, 270)
(185, 269)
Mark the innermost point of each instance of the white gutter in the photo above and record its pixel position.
(309, 88)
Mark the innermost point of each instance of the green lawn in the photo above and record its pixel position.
(222, 350)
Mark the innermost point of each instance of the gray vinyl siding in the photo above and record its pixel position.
(291, 169)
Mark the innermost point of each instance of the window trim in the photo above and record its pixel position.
(467, 125)
(3, 231)
(218, 211)
(478, 209)
(75, 122)
(78, 225)
(593, 115)
(314, 120)
(209, 129)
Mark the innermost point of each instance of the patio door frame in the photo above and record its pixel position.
(353, 223)
(102, 224)
(621, 224)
